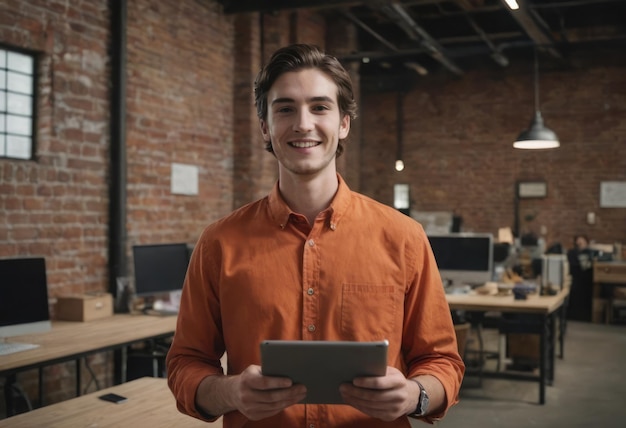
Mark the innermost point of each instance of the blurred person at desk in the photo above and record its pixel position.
(312, 261)
(580, 259)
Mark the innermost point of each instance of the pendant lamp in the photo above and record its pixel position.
(537, 136)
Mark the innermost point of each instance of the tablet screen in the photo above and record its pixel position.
(323, 365)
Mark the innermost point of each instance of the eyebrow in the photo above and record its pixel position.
(322, 98)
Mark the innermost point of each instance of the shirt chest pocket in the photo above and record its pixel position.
(369, 312)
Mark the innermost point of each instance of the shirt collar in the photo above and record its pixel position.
(280, 211)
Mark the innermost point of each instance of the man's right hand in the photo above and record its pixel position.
(254, 395)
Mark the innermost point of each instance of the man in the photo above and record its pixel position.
(312, 261)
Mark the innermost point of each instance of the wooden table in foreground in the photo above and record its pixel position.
(71, 341)
(543, 310)
(150, 404)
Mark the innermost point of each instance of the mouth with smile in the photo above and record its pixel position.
(304, 144)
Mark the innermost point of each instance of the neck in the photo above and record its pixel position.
(308, 195)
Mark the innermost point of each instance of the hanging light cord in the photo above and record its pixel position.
(536, 82)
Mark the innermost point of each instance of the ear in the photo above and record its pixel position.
(344, 126)
(264, 130)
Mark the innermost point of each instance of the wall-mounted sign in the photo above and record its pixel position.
(532, 189)
(613, 194)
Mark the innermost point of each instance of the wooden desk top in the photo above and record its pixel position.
(534, 304)
(150, 404)
(69, 339)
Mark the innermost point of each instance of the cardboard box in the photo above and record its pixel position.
(84, 307)
(523, 346)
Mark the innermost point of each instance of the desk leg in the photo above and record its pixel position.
(543, 357)
(551, 344)
(124, 363)
(41, 387)
(78, 370)
(562, 330)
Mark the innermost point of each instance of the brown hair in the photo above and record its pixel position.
(297, 57)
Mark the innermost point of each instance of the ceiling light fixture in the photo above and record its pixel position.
(537, 136)
(512, 4)
(399, 131)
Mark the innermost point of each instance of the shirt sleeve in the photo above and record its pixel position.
(429, 339)
(196, 351)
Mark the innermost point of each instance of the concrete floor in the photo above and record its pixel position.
(589, 389)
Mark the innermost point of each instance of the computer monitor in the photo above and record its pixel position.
(23, 297)
(160, 268)
(463, 258)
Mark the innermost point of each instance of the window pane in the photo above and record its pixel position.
(20, 83)
(18, 147)
(2, 120)
(19, 104)
(3, 101)
(3, 58)
(20, 62)
(3, 79)
(2, 145)
(19, 125)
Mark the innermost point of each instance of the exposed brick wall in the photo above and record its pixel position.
(458, 153)
(180, 85)
(56, 206)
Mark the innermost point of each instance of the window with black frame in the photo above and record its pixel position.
(17, 104)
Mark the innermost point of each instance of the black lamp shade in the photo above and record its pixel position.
(537, 136)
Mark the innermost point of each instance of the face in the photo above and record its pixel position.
(304, 123)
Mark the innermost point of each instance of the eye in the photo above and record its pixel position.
(284, 109)
(320, 108)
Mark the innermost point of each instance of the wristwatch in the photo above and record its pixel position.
(422, 403)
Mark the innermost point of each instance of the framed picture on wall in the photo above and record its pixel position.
(532, 189)
(613, 194)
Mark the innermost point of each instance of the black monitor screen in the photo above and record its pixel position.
(463, 257)
(160, 268)
(23, 295)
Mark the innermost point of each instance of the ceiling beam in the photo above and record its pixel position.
(245, 6)
(534, 27)
(398, 14)
(413, 65)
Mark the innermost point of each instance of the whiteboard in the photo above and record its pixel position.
(613, 194)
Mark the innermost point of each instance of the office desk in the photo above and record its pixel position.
(546, 309)
(150, 404)
(612, 274)
(69, 341)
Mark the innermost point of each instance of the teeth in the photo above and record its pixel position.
(304, 144)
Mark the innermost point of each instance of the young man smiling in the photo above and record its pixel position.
(312, 261)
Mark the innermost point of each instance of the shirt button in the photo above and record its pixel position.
(311, 425)
(310, 291)
(311, 242)
(311, 328)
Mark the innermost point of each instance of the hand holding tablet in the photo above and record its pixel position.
(323, 365)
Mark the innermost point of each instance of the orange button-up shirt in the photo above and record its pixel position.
(363, 272)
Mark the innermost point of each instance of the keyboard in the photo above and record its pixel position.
(7, 348)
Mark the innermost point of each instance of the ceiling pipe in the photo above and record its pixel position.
(401, 17)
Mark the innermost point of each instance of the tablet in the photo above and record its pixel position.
(323, 365)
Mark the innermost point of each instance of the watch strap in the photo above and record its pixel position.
(422, 402)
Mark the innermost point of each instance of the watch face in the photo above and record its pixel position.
(424, 400)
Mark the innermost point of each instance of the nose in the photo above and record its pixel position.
(303, 121)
